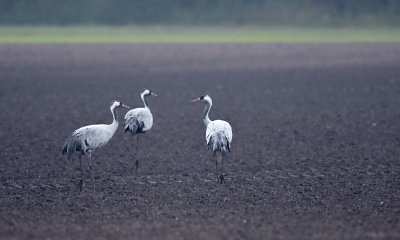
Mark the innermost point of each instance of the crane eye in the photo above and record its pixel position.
(202, 97)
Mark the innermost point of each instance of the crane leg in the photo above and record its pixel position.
(216, 164)
(221, 177)
(137, 153)
(81, 180)
(91, 169)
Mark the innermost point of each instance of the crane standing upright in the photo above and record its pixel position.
(218, 134)
(139, 120)
(89, 138)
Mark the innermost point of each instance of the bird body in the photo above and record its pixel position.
(89, 138)
(218, 133)
(219, 136)
(139, 120)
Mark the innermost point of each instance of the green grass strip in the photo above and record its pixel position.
(195, 35)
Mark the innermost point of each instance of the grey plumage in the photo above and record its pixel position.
(71, 145)
(218, 134)
(139, 120)
(89, 138)
(218, 143)
(133, 125)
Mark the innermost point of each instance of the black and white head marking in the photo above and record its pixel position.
(115, 103)
(146, 92)
(205, 98)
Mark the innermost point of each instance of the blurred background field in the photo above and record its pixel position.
(88, 21)
(202, 12)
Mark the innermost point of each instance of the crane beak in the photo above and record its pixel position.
(196, 100)
(153, 94)
(124, 106)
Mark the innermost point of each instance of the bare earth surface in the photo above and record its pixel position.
(315, 151)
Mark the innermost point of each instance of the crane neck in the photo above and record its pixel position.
(115, 116)
(144, 100)
(206, 119)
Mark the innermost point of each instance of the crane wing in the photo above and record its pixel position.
(87, 138)
(219, 135)
(93, 136)
(138, 120)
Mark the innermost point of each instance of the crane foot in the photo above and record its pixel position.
(221, 179)
(80, 185)
(136, 165)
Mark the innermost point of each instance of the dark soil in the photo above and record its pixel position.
(315, 151)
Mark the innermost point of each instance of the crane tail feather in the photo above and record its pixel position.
(218, 143)
(133, 125)
(71, 145)
(228, 145)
